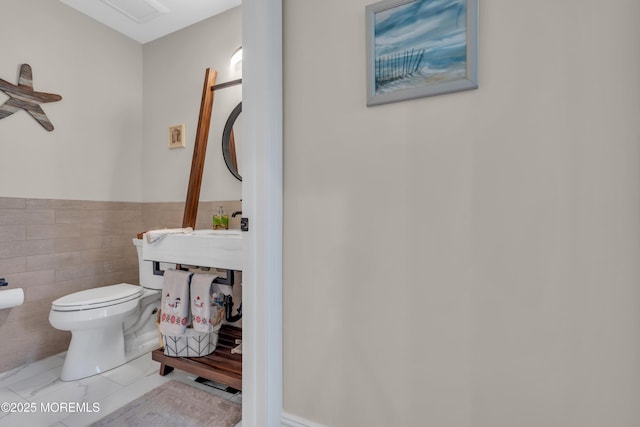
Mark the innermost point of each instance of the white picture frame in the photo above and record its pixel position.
(419, 48)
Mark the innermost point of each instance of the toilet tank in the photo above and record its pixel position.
(145, 269)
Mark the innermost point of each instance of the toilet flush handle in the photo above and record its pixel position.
(3, 282)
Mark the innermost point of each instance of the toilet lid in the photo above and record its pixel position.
(98, 297)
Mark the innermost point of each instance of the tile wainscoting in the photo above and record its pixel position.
(51, 248)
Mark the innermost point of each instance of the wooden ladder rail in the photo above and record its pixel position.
(199, 151)
(200, 146)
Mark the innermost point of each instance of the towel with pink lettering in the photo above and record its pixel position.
(175, 302)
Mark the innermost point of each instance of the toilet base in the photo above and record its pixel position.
(88, 355)
(101, 341)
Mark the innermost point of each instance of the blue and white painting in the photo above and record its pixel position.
(420, 43)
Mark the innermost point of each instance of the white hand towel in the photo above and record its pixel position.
(155, 235)
(175, 302)
(204, 315)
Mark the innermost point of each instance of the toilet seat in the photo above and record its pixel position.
(98, 297)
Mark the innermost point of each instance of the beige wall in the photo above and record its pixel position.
(100, 132)
(174, 70)
(468, 259)
(98, 123)
(52, 248)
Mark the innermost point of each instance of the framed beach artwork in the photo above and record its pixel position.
(418, 48)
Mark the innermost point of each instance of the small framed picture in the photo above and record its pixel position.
(418, 48)
(176, 136)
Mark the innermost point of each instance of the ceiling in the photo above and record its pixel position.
(147, 20)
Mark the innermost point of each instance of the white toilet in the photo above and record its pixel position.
(110, 325)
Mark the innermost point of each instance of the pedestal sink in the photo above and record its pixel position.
(202, 248)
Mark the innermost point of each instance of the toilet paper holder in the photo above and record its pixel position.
(3, 282)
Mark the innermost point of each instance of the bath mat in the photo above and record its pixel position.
(175, 404)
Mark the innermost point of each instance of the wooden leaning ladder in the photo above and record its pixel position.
(200, 146)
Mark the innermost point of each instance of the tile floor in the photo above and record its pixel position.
(38, 386)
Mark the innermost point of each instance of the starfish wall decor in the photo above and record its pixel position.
(23, 97)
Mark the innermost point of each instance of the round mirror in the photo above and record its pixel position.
(230, 141)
